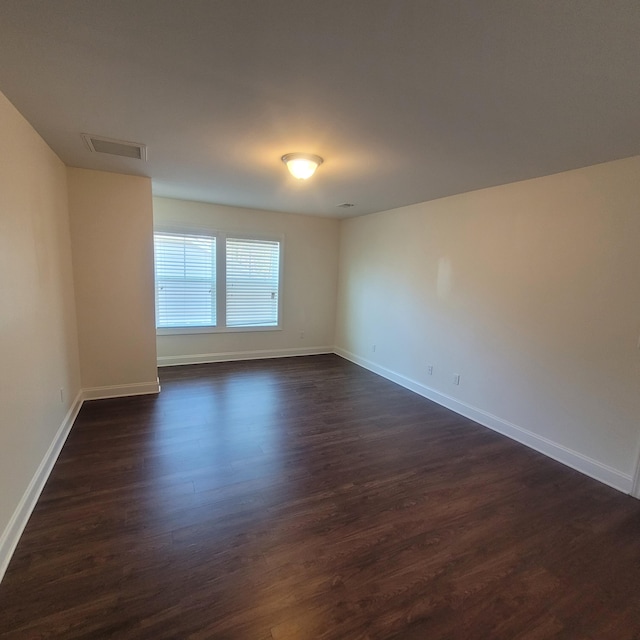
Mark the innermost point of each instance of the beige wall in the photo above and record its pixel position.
(38, 340)
(310, 259)
(529, 291)
(112, 237)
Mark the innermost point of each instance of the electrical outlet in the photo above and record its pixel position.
(430, 369)
(302, 335)
(373, 348)
(456, 378)
(62, 395)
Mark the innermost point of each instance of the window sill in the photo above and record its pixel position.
(173, 331)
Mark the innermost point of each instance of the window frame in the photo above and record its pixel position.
(221, 279)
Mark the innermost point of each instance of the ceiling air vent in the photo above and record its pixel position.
(346, 205)
(115, 147)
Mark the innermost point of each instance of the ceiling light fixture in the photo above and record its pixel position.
(302, 165)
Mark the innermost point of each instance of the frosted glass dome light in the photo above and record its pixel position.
(302, 165)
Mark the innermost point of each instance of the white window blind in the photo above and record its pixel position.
(253, 278)
(185, 268)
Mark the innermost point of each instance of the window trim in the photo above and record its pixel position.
(221, 278)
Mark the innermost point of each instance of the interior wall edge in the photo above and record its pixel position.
(11, 535)
(573, 459)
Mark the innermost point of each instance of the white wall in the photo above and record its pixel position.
(310, 258)
(38, 339)
(112, 237)
(529, 291)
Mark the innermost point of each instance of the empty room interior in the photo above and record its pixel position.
(394, 396)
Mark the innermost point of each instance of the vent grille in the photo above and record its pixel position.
(346, 205)
(113, 147)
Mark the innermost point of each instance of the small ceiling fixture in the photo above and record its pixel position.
(302, 165)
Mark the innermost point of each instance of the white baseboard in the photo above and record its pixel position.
(121, 390)
(573, 459)
(635, 490)
(11, 535)
(202, 358)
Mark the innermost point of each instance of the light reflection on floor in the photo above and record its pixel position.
(232, 434)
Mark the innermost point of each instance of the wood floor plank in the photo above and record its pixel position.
(308, 498)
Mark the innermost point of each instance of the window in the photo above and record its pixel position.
(253, 275)
(208, 282)
(185, 280)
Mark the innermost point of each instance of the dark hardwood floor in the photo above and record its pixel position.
(307, 498)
